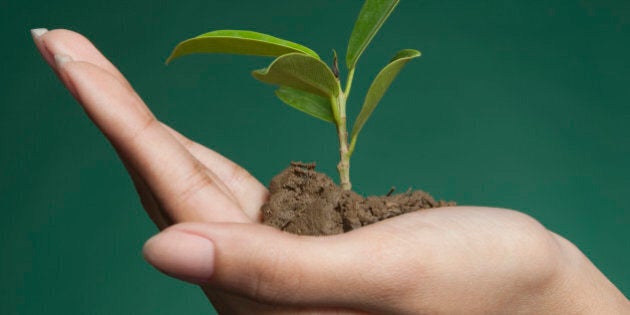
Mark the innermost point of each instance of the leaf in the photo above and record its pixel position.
(372, 16)
(238, 42)
(380, 85)
(302, 72)
(311, 104)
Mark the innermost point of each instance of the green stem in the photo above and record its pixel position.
(339, 110)
(342, 130)
(344, 158)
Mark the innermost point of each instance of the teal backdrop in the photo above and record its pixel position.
(516, 104)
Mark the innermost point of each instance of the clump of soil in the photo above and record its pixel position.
(306, 202)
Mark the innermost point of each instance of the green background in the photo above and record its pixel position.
(517, 104)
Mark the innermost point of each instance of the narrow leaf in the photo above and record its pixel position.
(238, 42)
(379, 86)
(311, 104)
(302, 72)
(372, 16)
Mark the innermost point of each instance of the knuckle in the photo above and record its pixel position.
(146, 125)
(196, 181)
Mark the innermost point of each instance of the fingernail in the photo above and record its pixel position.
(182, 255)
(37, 32)
(61, 59)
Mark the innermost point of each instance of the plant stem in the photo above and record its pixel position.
(342, 131)
(344, 157)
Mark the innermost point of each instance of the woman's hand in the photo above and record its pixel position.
(449, 260)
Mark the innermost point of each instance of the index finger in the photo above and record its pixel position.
(186, 189)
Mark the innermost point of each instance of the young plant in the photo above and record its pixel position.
(307, 83)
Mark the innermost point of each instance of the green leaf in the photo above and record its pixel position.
(379, 86)
(238, 42)
(311, 104)
(302, 72)
(372, 16)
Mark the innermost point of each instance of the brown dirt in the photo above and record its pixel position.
(306, 202)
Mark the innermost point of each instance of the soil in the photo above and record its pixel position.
(306, 202)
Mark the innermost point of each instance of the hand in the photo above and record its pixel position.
(449, 260)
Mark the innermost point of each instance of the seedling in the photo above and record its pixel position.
(307, 83)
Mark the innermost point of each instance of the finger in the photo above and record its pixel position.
(249, 192)
(64, 41)
(60, 41)
(269, 266)
(179, 182)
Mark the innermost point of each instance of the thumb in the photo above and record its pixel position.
(264, 264)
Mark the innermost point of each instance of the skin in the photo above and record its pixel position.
(470, 260)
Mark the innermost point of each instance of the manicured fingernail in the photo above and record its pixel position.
(62, 59)
(182, 255)
(37, 32)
